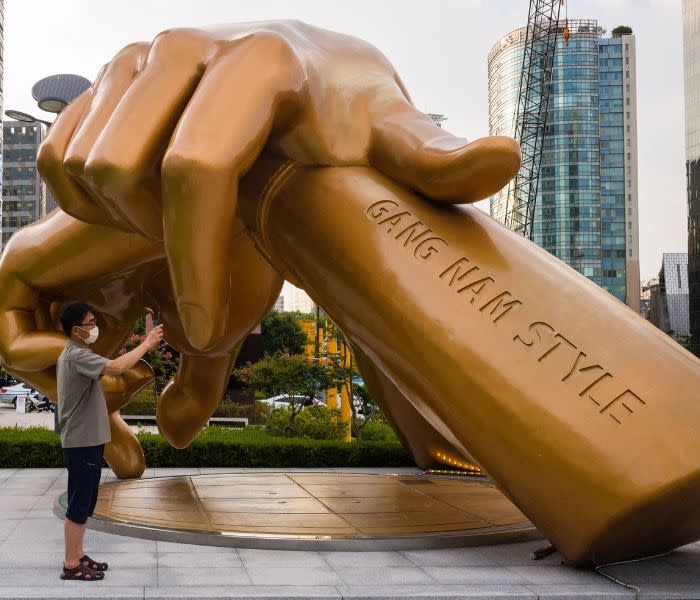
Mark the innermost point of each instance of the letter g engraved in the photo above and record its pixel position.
(380, 208)
(430, 250)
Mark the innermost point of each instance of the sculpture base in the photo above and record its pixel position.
(309, 511)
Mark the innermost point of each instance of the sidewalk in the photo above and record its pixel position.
(31, 552)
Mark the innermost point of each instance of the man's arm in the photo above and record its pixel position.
(125, 362)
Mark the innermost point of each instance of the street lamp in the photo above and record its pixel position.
(52, 94)
(55, 92)
(18, 115)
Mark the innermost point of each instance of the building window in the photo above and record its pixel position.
(628, 114)
(627, 60)
(628, 129)
(629, 183)
(627, 87)
(629, 156)
(627, 46)
(630, 252)
(627, 74)
(629, 197)
(629, 211)
(629, 224)
(627, 101)
(629, 239)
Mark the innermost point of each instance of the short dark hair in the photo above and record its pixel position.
(72, 314)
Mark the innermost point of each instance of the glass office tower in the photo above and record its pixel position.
(586, 209)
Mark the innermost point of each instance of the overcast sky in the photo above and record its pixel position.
(439, 47)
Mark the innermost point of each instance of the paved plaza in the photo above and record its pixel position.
(31, 549)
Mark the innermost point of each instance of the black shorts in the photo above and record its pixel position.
(84, 472)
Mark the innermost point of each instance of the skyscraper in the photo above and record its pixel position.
(296, 299)
(23, 192)
(586, 208)
(691, 69)
(667, 304)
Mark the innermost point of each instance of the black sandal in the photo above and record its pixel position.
(93, 564)
(82, 573)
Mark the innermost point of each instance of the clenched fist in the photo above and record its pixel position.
(158, 144)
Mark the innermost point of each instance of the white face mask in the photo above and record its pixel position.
(92, 335)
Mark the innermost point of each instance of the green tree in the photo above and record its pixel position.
(282, 333)
(289, 374)
(363, 409)
(622, 30)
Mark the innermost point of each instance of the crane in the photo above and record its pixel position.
(531, 112)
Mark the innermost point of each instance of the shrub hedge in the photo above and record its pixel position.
(214, 447)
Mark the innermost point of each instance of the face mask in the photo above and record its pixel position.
(92, 335)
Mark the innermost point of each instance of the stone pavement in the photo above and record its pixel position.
(31, 550)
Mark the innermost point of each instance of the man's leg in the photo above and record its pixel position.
(98, 455)
(76, 513)
(73, 533)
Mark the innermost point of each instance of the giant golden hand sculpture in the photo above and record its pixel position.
(475, 340)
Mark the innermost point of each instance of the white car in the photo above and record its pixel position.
(8, 394)
(282, 401)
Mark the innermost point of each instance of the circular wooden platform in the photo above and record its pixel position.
(309, 511)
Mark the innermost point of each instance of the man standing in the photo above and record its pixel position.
(82, 413)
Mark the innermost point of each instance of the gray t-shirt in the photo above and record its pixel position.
(82, 410)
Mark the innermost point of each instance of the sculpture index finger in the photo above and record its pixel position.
(220, 135)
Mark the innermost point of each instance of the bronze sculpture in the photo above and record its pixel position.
(202, 169)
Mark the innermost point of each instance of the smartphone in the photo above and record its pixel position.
(152, 319)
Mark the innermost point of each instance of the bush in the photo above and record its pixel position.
(379, 432)
(314, 422)
(252, 447)
(30, 447)
(144, 403)
(257, 413)
(214, 447)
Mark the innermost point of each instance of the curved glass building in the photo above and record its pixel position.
(586, 209)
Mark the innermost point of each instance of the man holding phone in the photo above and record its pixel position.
(82, 413)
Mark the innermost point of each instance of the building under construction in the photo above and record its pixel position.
(585, 211)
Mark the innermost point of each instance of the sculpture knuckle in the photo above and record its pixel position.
(171, 40)
(134, 48)
(48, 158)
(74, 164)
(132, 54)
(273, 43)
(178, 165)
(102, 171)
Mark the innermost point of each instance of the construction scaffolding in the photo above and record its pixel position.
(531, 112)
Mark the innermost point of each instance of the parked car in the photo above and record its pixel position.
(9, 394)
(282, 401)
